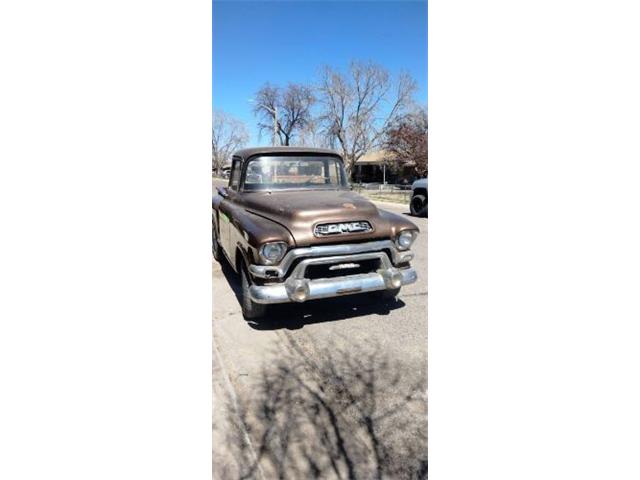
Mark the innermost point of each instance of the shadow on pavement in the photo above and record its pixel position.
(413, 216)
(346, 412)
(293, 316)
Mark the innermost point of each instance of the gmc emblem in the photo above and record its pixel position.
(340, 228)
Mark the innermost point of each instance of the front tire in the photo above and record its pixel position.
(418, 205)
(250, 309)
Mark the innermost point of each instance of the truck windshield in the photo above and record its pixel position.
(294, 172)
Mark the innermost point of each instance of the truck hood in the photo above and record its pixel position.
(300, 211)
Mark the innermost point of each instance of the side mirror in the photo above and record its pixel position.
(223, 191)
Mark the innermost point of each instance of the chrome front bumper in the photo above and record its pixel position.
(297, 288)
(327, 287)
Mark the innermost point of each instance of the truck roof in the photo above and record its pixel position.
(250, 152)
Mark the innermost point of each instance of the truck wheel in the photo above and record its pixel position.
(215, 246)
(250, 309)
(418, 205)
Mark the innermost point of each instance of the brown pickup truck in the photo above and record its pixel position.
(290, 226)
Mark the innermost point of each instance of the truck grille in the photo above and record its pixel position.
(325, 229)
(314, 272)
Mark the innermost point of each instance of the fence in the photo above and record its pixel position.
(384, 193)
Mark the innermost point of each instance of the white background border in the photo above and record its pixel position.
(105, 258)
(533, 240)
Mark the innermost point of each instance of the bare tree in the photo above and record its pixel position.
(406, 141)
(359, 106)
(311, 135)
(289, 110)
(228, 134)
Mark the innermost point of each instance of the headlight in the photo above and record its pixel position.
(272, 252)
(405, 239)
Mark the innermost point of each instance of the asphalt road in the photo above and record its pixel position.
(325, 389)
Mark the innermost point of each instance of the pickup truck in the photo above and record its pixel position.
(292, 229)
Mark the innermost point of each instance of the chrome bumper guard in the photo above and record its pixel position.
(297, 288)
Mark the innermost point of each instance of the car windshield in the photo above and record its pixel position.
(294, 172)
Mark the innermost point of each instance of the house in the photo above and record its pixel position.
(378, 167)
(370, 168)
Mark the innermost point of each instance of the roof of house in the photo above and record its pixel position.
(375, 157)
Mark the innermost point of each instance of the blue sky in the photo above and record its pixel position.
(289, 41)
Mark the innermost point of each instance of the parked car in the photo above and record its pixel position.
(419, 198)
(290, 226)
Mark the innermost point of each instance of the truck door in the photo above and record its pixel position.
(225, 208)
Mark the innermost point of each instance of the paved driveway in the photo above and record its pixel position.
(330, 389)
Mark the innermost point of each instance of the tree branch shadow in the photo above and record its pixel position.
(344, 413)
